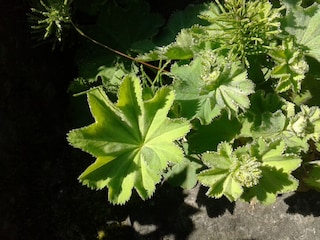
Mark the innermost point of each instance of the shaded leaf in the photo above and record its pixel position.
(184, 174)
(313, 177)
(207, 137)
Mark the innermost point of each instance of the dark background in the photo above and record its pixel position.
(40, 197)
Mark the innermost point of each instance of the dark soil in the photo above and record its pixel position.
(41, 197)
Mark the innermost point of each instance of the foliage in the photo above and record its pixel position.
(224, 95)
(260, 169)
(133, 144)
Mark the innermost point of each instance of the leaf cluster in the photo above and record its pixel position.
(232, 106)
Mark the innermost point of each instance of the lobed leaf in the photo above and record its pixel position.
(260, 170)
(304, 25)
(224, 86)
(290, 67)
(133, 140)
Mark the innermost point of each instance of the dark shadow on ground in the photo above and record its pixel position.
(166, 211)
(304, 203)
(214, 207)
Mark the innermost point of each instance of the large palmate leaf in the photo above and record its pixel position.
(132, 140)
(304, 24)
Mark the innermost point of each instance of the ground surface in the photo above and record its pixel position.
(40, 197)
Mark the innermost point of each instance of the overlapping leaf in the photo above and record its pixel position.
(132, 140)
(260, 170)
(224, 86)
(276, 168)
(304, 24)
(264, 117)
(214, 85)
(229, 171)
(290, 68)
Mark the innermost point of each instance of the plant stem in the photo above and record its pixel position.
(115, 51)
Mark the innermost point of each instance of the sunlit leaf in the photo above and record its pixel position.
(304, 25)
(260, 170)
(290, 68)
(133, 141)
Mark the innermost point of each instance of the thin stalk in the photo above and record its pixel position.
(114, 50)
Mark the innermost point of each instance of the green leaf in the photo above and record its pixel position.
(214, 85)
(224, 86)
(302, 127)
(276, 171)
(132, 140)
(186, 85)
(183, 48)
(271, 124)
(306, 123)
(273, 154)
(313, 177)
(207, 137)
(229, 172)
(184, 174)
(272, 183)
(260, 170)
(290, 67)
(264, 117)
(304, 24)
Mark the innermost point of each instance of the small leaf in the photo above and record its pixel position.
(276, 171)
(272, 183)
(221, 177)
(306, 123)
(290, 68)
(272, 154)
